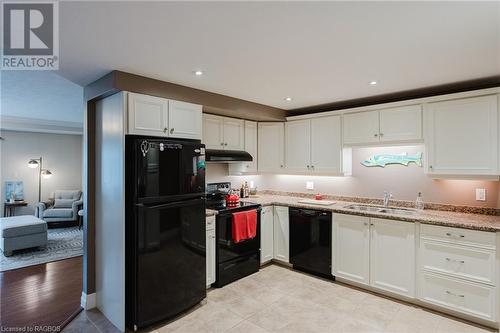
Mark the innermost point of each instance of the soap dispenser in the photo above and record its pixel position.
(419, 203)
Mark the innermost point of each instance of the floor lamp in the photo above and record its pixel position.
(45, 173)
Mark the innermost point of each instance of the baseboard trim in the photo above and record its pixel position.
(88, 302)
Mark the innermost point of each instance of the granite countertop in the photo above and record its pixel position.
(427, 216)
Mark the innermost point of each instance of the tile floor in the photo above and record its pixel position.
(277, 299)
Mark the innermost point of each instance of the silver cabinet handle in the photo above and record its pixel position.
(308, 166)
(381, 134)
(430, 166)
(225, 144)
(455, 260)
(165, 130)
(375, 135)
(222, 143)
(371, 223)
(453, 294)
(312, 166)
(171, 131)
(366, 223)
(449, 234)
(281, 166)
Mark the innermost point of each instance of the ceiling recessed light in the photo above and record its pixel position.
(288, 99)
(373, 83)
(198, 73)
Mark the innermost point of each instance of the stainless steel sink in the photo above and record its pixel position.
(379, 209)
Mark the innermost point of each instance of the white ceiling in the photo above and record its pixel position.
(316, 52)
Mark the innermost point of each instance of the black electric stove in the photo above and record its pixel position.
(234, 260)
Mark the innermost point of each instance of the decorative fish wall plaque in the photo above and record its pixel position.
(383, 159)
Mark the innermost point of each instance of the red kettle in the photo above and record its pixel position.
(232, 198)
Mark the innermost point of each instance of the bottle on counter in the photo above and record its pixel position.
(242, 191)
(419, 203)
(246, 190)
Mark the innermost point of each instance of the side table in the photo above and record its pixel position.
(80, 218)
(10, 207)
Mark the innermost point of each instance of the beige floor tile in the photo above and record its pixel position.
(271, 319)
(247, 327)
(449, 325)
(246, 306)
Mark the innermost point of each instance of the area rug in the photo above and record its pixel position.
(62, 243)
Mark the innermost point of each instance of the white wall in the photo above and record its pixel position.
(404, 182)
(62, 155)
(40, 95)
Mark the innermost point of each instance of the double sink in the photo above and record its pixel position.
(379, 209)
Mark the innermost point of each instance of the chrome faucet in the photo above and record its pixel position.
(387, 197)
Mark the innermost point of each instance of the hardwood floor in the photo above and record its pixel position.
(41, 295)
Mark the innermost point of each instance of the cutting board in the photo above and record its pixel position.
(316, 202)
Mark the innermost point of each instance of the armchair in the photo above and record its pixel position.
(62, 206)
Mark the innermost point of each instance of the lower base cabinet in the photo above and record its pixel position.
(210, 250)
(375, 252)
(281, 234)
(267, 234)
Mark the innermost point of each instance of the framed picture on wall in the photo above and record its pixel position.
(14, 189)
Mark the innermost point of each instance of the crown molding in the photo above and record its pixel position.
(21, 124)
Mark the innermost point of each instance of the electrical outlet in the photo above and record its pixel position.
(480, 194)
(309, 185)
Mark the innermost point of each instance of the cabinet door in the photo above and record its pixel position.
(184, 120)
(210, 255)
(147, 115)
(281, 234)
(401, 124)
(251, 145)
(234, 134)
(326, 145)
(461, 136)
(212, 131)
(298, 145)
(267, 234)
(361, 127)
(351, 248)
(392, 256)
(270, 144)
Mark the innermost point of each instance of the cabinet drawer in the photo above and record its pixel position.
(459, 236)
(464, 262)
(470, 298)
(210, 222)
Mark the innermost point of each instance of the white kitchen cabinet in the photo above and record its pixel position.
(210, 250)
(401, 124)
(461, 136)
(326, 145)
(234, 134)
(155, 116)
(298, 145)
(267, 234)
(213, 127)
(313, 146)
(147, 115)
(184, 120)
(392, 256)
(271, 145)
(251, 148)
(223, 132)
(281, 234)
(362, 127)
(351, 248)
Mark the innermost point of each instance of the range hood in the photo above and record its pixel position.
(227, 156)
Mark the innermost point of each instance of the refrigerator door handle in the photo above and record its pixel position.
(184, 203)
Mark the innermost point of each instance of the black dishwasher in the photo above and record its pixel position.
(311, 241)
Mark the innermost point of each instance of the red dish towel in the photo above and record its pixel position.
(244, 225)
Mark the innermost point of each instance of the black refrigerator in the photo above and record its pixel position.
(165, 228)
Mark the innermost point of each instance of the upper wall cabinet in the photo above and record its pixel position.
(184, 120)
(251, 148)
(223, 132)
(313, 145)
(399, 124)
(155, 116)
(147, 115)
(461, 136)
(271, 146)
